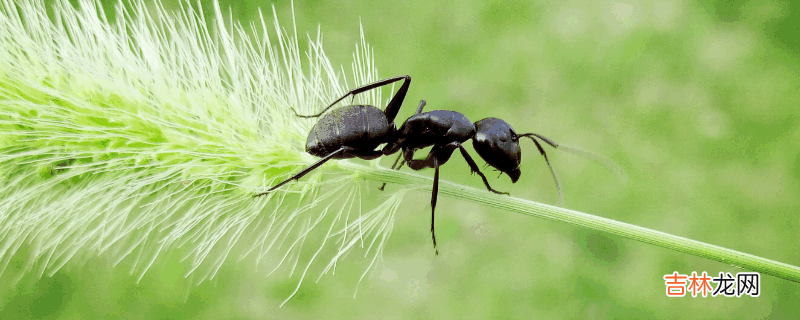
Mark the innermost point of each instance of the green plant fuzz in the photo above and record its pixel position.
(146, 137)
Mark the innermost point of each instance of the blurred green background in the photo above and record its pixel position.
(698, 101)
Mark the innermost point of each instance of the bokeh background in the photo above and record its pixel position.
(697, 100)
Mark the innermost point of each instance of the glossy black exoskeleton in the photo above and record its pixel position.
(357, 130)
(446, 131)
(498, 144)
(352, 131)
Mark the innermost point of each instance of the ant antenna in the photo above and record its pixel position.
(605, 162)
(541, 150)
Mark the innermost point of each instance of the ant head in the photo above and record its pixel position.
(498, 145)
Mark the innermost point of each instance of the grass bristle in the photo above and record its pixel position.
(147, 136)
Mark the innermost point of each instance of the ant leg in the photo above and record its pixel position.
(307, 170)
(397, 160)
(434, 197)
(475, 169)
(393, 166)
(418, 164)
(421, 105)
(391, 109)
(431, 161)
(397, 101)
(440, 154)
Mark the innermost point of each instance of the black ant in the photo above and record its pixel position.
(494, 140)
(356, 130)
(446, 131)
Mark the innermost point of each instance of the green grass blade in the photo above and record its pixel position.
(626, 230)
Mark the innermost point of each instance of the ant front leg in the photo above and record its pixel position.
(474, 167)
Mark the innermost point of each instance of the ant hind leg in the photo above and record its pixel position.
(307, 170)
